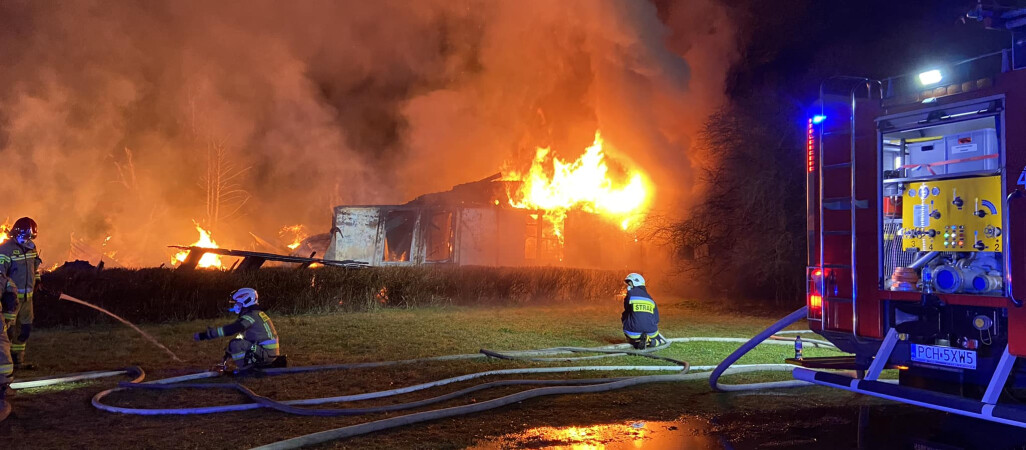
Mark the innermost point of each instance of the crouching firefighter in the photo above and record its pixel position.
(640, 315)
(256, 342)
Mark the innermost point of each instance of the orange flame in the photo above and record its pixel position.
(209, 260)
(582, 184)
(4, 229)
(298, 233)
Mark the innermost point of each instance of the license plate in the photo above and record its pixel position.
(944, 356)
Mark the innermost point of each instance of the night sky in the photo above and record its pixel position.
(792, 45)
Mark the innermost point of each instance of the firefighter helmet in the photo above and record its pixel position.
(634, 280)
(25, 227)
(243, 298)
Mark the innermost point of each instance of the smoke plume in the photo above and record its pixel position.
(132, 119)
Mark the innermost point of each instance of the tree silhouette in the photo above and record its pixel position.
(225, 196)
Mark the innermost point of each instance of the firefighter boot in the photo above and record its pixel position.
(19, 363)
(5, 408)
(657, 341)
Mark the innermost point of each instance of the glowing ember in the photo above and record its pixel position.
(297, 233)
(557, 186)
(209, 260)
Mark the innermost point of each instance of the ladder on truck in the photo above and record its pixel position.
(850, 203)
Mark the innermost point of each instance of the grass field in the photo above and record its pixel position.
(62, 417)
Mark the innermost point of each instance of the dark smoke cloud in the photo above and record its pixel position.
(110, 110)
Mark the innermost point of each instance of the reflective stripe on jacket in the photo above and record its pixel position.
(640, 313)
(20, 266)
(255, 327)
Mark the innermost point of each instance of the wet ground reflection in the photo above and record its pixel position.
(829, 428)
(687, 434)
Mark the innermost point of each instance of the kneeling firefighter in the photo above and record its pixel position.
(640, 315)
(256, 341)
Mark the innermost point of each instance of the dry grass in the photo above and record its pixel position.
(62, 418)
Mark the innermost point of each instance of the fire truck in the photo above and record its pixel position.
(917, 232)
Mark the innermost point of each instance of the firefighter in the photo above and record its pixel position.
(640, 315)
(255, 343)
(19, 264)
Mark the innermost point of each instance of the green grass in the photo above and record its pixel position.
(386, 334)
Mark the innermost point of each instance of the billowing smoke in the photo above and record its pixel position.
(132, 119)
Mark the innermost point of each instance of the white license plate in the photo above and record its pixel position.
(944, 356)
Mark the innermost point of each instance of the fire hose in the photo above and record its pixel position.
(771, 335)
(135, 371)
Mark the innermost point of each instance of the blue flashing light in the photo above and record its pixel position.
(818, 118)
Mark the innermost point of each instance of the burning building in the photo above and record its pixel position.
(556, 213)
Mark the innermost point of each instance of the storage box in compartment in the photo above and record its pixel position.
(972, 144)
(926, 152)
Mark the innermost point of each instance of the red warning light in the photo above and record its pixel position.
(811, 149)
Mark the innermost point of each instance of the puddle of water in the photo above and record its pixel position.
(687, 435)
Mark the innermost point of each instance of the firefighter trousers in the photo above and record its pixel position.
(246, 354)
(19, 330)
(6, 363)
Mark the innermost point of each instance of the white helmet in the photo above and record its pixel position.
(243, 298)
(634, 280)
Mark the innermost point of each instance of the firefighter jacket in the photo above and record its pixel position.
(255, 327)
(19, 268)
(640, 313)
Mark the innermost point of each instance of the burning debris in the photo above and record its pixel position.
(294, 233)
(209, 260)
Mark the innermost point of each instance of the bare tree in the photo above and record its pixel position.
(126, 172)
(225, 196)
(747, 234)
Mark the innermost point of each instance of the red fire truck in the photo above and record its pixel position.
(917, 232)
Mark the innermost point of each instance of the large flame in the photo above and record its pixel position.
(582, 184)
(209, 260)
(4, 229)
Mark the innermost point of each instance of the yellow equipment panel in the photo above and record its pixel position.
(961, 215)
